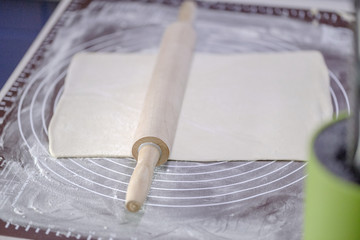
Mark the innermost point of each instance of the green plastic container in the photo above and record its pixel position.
(332, 204)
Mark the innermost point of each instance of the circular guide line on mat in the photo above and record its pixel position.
(108, 43)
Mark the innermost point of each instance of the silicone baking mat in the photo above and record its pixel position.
(46, 198)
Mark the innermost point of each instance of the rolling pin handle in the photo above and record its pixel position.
(140, 181)
(187, 11)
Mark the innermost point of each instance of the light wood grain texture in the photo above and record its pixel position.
(162, 105)
(141, 179)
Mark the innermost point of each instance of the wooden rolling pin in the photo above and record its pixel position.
(155, 133)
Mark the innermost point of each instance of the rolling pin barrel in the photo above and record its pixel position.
(159, 117)
(162, 106)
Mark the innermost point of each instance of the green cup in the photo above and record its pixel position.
(332, 203)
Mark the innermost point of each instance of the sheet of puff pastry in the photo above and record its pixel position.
(260, 106)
